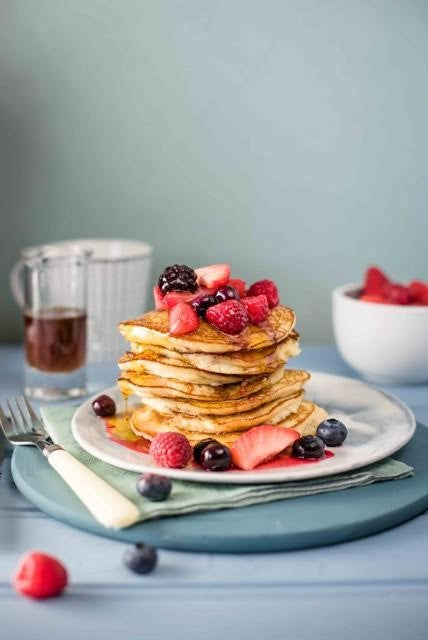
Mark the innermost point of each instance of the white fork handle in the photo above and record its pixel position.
(107, 505)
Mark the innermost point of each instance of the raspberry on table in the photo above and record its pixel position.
(231, 317)
(171, 449)
(178, 277)
(257, 308)
(268, 288)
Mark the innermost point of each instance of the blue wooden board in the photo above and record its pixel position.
(277, 526)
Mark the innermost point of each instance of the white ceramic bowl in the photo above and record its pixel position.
(387, 344)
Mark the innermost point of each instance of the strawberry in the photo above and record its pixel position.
(268, 288)
(230, 316)
(260, 444)
(171, 449)
(159, 304)
(213, 276)
(239, 285)
(182, 319)
(174, 297)
(367, 297)
(397, 294)
(257, 308)
(375, 282)
(418, 292)
(40, 576)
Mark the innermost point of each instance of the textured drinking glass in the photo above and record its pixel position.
(53, 282)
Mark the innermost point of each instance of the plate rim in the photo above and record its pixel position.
(250, 477)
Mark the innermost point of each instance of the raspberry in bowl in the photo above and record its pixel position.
(381, 328)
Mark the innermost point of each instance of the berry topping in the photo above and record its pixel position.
(398, 294)
(202, 304)
(418, 292)
(268, 288)
(171, 449)
(200, 446)
(173, 298)
(260, 444)
(182, 319)
(104, 406)
(215, 457)
(231, 317)
(308, 447)
(40, 576)
(178, 277)
(154, 487)
(370, 297)
(214, 276)
(159, 299)
(375, 282)
(332, 432)
(257, 308)
(226, 293)
(239, 285)
(141, 558)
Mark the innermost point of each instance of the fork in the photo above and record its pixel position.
(107, 505)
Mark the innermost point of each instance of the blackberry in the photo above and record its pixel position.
(178, 277)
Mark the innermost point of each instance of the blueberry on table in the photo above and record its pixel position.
(215, 457)
(141, 558)
(333, 432)
(200, 446)
(154, 487)
(308, 447)
(104, 406)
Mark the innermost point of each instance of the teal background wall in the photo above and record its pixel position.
(288, 137)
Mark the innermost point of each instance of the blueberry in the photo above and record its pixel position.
(141, 558)
(226, 293)
(202, 304)
(154, 487)
(104, 406)
(332, 432)
(308, 447)
(215, 457)
(200, 446)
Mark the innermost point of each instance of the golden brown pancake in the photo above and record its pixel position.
(305, 420)
(270, 413)
(286, 387)
(153, 328)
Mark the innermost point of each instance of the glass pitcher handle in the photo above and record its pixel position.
(16, 283)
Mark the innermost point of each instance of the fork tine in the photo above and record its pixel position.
(24, 424)
(33, 415)
(13, 421)
(4, 423)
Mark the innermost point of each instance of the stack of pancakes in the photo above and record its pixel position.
(209, 384)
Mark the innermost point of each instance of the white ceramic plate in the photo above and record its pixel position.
(378, 425)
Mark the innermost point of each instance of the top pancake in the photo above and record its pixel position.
(153, 328)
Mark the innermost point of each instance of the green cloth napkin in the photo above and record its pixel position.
(187, 497)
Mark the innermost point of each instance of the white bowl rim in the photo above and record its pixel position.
(343, 292)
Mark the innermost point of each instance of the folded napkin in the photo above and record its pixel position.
(187, 497)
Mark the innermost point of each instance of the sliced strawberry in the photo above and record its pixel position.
(375, 282)
(239, 285)
(398, 294)
(174, 297)
(182, 319)
(260, 444)
(159, 298)
(367, 297)
(257, 308)
(214, 276)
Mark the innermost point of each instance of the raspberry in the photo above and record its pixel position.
(270, 290)
(231, 317)
(171, 449)
(177, 278)
(257, 308)
(40, 576)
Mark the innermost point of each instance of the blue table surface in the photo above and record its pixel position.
(376, 587)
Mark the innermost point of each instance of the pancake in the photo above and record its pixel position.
(257, 361)
(286, 387)
(150, 364)
(140, 384)
(269, 413)
(153, 328)
(305, 420)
